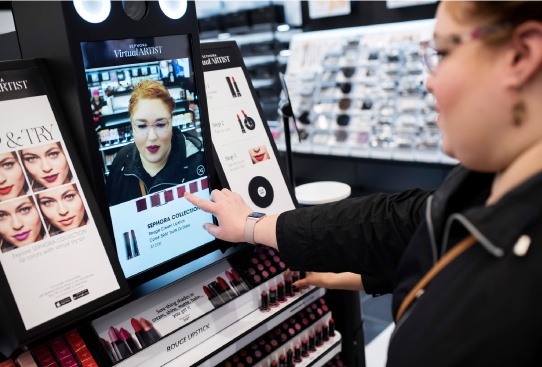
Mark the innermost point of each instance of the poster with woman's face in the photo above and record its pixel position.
(51, 250)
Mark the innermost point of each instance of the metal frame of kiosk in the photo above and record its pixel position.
(59, 43)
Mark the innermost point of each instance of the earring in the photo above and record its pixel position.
(518, 113)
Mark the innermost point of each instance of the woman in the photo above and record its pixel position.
(161, 156)
(12, 181)
(463, 262)
(46, 165)
(63, 209)
(258, 154)
(20, 223)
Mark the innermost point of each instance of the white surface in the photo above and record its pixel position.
(6, 22)
(376, 351)
(322, 192)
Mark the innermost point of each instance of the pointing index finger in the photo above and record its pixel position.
(205, 205)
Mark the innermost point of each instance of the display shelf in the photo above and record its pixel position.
(242, 332)
(323, 355)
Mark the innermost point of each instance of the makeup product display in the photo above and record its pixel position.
(366, 93)
(296, 340)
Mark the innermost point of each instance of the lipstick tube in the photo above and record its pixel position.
(212, 297)
(289, 358)
(236, 87)
(109, 350)
(312, 346)
(221, 293)
(297, 353)
(325, 332)
(140, 334)
(280, 292)
(304, 348)
(151, 331)
(288, 287)
(127, 246)
(231, 87)
(240, 280)
(331, 327)
(318, 336)
(126, 337)
(282, 361)
(134, 243)
(264, 304)
(241, 124)
(295, 278)
(272, 296)
(222, 283)
(120, 347)
(234, 283)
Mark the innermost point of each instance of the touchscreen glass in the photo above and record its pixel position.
(145, 111)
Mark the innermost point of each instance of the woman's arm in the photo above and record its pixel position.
(231, 212)
(344, 281)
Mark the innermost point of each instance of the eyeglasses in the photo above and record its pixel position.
(160, 127)
(432, 53)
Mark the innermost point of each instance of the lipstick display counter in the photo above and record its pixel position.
(205, 318)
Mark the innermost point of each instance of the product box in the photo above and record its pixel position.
(57, 260)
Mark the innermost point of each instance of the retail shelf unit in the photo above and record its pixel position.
(359, 92)
(263, 39)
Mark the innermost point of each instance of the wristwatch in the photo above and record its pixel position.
(252, 219)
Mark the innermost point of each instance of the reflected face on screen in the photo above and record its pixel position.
(47, 164)
(11, 177)
(152, 130)
(63, 207)
(20, 223)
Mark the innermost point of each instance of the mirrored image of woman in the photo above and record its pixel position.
(20, 223)
(161, 156)
(46, 165)
(12, 180)
(62, 209)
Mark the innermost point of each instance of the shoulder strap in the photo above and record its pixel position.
(457, 250)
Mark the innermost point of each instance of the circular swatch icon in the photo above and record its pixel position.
(260, 191)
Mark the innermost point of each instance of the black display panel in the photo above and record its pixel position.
(145, 111)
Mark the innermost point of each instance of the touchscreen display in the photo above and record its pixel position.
(146, 118)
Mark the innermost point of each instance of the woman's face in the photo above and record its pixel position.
(474, 109)
(20, 222)
(11, 177)
(258, 154)
(63, 207)
(153, 147)
(47, 164)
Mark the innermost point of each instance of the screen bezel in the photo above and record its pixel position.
(120, 28)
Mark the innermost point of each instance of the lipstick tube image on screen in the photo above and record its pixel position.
(236, 87)
(127, 246)
(141, 335)
(120, 347)
(233, 94)
(134, 244)
(152, 333)
(222, 283)
(212, 297)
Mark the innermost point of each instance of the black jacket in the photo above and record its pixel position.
(483, 309)
(126, 170)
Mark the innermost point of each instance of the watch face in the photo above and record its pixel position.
(256, 215)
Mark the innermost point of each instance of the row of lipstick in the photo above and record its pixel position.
(336, 361)
(279, 294)
(296, 325)
(219, 292)
(66, 351)
(123, 344)
(263, 266)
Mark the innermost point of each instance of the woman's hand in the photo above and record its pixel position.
(344, 281)
(229, 209)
